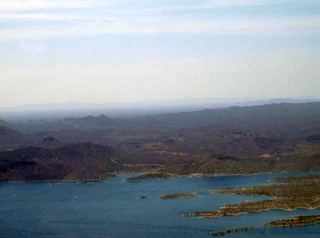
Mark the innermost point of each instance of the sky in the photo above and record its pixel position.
(119, 51)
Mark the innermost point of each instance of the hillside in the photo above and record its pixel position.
(75, 161)
(10, 138)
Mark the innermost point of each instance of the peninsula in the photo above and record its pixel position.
(295, 221)
(288, 196)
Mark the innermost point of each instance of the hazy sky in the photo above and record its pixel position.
(120, 51)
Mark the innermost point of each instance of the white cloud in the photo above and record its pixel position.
(121, 17)
(33, 5)
(227, 26)
(138, 6)
(28, 48)
(42, 16)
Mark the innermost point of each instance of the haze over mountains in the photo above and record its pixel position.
(56, 111)
(247, 139)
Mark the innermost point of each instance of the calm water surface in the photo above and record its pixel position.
(112, 209)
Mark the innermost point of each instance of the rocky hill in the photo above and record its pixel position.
(73, 162)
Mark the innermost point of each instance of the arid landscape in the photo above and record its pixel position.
(235, 140)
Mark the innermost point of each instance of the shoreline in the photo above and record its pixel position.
(192, 175)
(217, 214)
(306, 220)
(59, 180)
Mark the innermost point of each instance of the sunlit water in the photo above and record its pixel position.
(112, 209)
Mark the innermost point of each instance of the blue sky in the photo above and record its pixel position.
(55, 51)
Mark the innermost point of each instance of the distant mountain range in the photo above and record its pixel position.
(163, 103)
(56, 111)
(270, 118)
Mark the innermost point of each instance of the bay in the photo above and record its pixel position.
(113, 208)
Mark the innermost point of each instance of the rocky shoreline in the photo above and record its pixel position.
(300, 177)
(295, 221)
(222, 233)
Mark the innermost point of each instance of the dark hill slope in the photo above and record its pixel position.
(75, 161)
(10, 138)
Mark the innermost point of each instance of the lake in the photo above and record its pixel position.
(113, 209)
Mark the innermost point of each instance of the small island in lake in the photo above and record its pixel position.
(143, 197)
(178, 195)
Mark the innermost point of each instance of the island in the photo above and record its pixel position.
(143, 197)
(178, 195)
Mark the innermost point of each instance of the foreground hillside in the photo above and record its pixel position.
(72, 162)
(237, 140)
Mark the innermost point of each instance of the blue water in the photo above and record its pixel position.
(112, 209)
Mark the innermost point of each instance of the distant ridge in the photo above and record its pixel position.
(163, 103)
(56, 111)
(275, 118)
